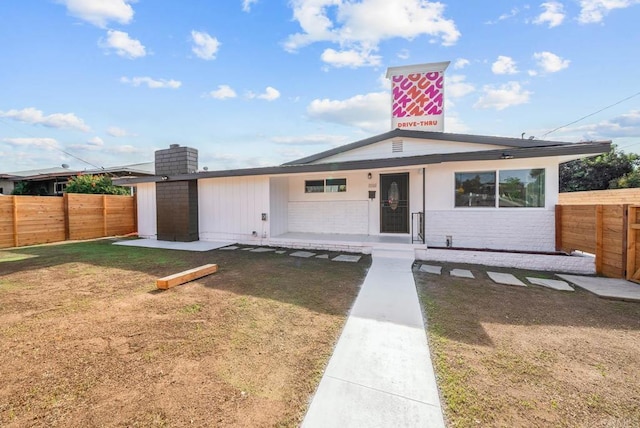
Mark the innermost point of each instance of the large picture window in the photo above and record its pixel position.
(328, 185)
(476, 189)
(521, 188)
(516, 188)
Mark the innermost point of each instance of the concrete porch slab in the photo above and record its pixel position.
(608, 288)
(551, 283)
(505, 279)
(171, 245)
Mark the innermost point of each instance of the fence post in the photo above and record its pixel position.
(16, 241)
(67, 230)
(625, 236)
(599, 239)
(104, 215)
(558, 227)
(631, 242)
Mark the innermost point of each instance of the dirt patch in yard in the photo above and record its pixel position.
(529, 356)
(87, 340)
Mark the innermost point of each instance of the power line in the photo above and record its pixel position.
(52, 146)
(592, 114)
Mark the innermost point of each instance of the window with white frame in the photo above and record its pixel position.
(517, 188)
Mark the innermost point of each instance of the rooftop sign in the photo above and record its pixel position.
(417, 96)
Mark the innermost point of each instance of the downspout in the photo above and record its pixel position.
(424, 197)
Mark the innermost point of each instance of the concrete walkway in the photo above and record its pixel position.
(380, 374)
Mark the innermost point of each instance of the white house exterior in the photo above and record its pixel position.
(464, 185)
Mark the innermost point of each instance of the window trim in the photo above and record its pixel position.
(496, 205)
(340, 183)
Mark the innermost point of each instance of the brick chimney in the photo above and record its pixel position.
(177, 201)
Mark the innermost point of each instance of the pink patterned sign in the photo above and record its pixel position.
(418, 97)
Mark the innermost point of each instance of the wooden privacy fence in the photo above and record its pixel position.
(608, 231)
(30, 220)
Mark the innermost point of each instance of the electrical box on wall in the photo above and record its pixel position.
(372, 194)
(264, 216)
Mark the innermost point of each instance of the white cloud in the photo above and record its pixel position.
(152, 83)
(349, 58)
(403, 54)
(42, 143)
(125, 149)
(625, 125)
(114, 131)
(594, 11)
(360, 26)
(553, 14)
(507, 95)
(123, 45)
(95, 143)
(504, 65)
(512, 13)
(460, 63)
(456, 87)
(311, 140)
(55, 120)
(269, 94)
(246, 5)
(222, 93)
(369, 112)
(549, 62)
(205, 46)
(100, 12)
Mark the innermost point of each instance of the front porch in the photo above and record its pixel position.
(353, 243)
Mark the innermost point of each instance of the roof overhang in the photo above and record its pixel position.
(590, 148)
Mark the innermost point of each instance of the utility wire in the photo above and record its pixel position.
(52, 146)
(592, 114)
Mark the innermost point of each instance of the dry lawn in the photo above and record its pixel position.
(87, 340)
(531, 357)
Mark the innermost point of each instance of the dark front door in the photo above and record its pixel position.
(394, 203)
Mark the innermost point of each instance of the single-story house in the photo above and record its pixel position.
(421, 188)
(415, 185)
(53, 181)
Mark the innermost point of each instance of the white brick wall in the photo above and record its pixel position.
(504, 229)
(329, 217)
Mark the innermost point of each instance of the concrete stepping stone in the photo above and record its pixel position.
(346, 258)
(505, 278)
(431, 269)
(280, 252)
(229, 248)
(551, 283)
(304, 254)
(461, 273)
(322, 256)
(262, 250)
(247, 249)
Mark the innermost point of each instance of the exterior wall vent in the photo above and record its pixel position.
(396, 146)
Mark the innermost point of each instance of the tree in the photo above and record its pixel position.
(606, 171)
(98, 184)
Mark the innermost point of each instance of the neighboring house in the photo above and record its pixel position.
(414, 185)
(53, 181)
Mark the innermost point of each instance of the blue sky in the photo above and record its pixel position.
(259, 82)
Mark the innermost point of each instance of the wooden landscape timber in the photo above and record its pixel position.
(186, 276)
